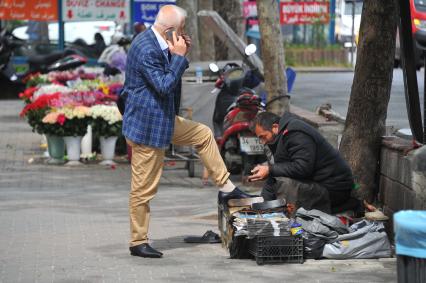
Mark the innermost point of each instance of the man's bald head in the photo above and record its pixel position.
(170, 16)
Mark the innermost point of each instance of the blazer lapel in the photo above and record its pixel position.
(157, 45)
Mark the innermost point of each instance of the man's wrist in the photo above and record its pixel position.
(270, 169)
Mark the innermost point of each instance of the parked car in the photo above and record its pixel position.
(344, 21)
(418, 29)
(74, 31)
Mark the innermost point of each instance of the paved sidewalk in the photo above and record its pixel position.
(62, 224)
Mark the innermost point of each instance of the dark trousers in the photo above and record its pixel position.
(309, 195)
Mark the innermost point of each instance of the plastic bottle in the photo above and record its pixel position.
(198, 74)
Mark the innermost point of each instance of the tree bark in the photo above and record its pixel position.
(207, 42)
(232, 13)
(273, 55)
(191, 26)
(366, 118)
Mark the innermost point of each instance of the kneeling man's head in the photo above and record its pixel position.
(266, 127)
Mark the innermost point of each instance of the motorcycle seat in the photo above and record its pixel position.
(45, 59)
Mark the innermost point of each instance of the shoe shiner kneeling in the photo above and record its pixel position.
(302, 166)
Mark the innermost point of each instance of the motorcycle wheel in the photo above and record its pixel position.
(191, 169)
(248, 164)
(250, 161)
(10, 90)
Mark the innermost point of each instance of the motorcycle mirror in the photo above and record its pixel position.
(213, 67)
(250, 49)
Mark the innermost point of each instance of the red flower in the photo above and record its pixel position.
(40, 103)
(61, 119)
(28, 93)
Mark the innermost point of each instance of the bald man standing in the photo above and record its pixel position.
(155, 64)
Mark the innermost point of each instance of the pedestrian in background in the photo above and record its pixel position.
(138, 28)
(99, 45)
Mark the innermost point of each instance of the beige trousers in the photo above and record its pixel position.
(147, 166)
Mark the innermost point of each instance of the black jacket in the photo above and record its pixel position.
(300, 152)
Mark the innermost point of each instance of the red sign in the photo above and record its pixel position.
(36, 10)
(301, 13)
(250, 11)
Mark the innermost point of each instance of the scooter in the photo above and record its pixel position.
(13, 83)
(236, 106)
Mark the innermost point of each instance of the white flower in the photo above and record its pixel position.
(50, 89)
(109, 113)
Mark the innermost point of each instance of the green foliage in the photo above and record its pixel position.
(12, 24)
(36, 80)
(53, 129)
(73, 127)
(102, 128)
(297, 55)
(34, 118)
(312, 47)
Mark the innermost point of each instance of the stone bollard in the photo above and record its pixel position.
(419, 177)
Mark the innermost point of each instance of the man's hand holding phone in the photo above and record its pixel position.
(188, 41)
(260, 172)
(177, 44)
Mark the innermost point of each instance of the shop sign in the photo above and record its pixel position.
(250, 12)
(96, 10)
(302, 13)
(146, 11)
(35, 10)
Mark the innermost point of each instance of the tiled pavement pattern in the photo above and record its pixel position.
(60, 224)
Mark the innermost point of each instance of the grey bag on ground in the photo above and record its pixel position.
(320, 224)
(366, 239)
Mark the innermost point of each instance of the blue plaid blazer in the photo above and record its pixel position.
(153, 87)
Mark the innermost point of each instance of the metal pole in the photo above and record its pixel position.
(353, 33)
(61, 44)
(424, 98)
(331, 35)
(132, 17)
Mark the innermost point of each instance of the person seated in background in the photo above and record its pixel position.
(138, 27)
(303, 167)
(114, 57)
(99, 45)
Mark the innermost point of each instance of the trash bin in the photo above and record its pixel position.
(410, 242)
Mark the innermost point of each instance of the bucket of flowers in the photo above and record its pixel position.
(53, 128)
(35, 111)
(70, 122)
(107, 124)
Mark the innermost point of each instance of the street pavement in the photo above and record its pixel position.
(312, 88)
(70, 224)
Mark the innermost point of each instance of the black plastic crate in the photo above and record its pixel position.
(280, 249)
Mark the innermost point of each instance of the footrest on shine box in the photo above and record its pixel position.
(244, 201)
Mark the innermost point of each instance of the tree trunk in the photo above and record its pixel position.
(191, 26)
(366, 118)
(232, 13)
(235, 20)
(207, 42)
(273, 55)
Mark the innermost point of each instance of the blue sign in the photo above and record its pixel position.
(146, 11)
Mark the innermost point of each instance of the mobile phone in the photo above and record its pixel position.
(169, 34)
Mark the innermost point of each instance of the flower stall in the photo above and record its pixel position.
(66, 106)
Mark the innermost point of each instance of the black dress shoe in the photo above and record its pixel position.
(223, 197)
(145, 250)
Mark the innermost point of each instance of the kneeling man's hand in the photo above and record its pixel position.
(259, 172)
